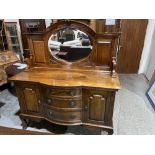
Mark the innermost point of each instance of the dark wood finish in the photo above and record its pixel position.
(64, 103)
(62, 116)
(28, 96)
(25, 30)
(103, 53)
(98, 106)
(79, 93)
(131, 44)
(98, 25)
(69, 78)
(67, 92)
(12, 131)
(46, 96)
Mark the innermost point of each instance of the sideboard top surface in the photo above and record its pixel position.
(68, 78)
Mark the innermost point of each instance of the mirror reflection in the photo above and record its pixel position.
(69, 44)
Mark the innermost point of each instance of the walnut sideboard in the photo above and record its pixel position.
(71, 77)
(67, 97)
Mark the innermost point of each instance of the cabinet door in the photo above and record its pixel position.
(98, 107)
(28, 97)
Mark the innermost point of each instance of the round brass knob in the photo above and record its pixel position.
(39, 101)
(50, 113)
(72, 104)
(72, 93)
(49, 101)
(86, 107)
(72, 116)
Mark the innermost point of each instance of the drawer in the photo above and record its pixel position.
(63, 92)
(63, 116)
(64, 103)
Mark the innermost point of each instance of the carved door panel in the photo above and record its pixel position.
(28, 97)
(98, 107)
(102, 52)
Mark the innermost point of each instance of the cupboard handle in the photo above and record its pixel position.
(39, 101)
(86, 107)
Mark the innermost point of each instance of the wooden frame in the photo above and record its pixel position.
(102, 56)
(151, 94)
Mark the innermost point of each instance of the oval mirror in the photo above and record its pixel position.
(69, 45)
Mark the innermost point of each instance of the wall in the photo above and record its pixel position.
(151, 63)
(148, 48)
(48, 22)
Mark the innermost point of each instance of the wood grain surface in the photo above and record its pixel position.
(66, 78)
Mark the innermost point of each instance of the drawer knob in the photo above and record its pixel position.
(72, 104)
(50, 113)
(72, 116)
(72, 93)
(86, 107)
(49, 101)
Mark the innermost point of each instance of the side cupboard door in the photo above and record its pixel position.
(98, 107)
(28, 95)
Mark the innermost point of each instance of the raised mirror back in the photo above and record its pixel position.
(69, 45)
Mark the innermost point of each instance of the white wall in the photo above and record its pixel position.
(151, 63)
(48, 22)
(146, 53)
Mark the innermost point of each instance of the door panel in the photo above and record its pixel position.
(132, 41)
(28, 97)
(104, 52)
(151, 66)
(96, 108)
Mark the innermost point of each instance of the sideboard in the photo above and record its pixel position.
(66, 91)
